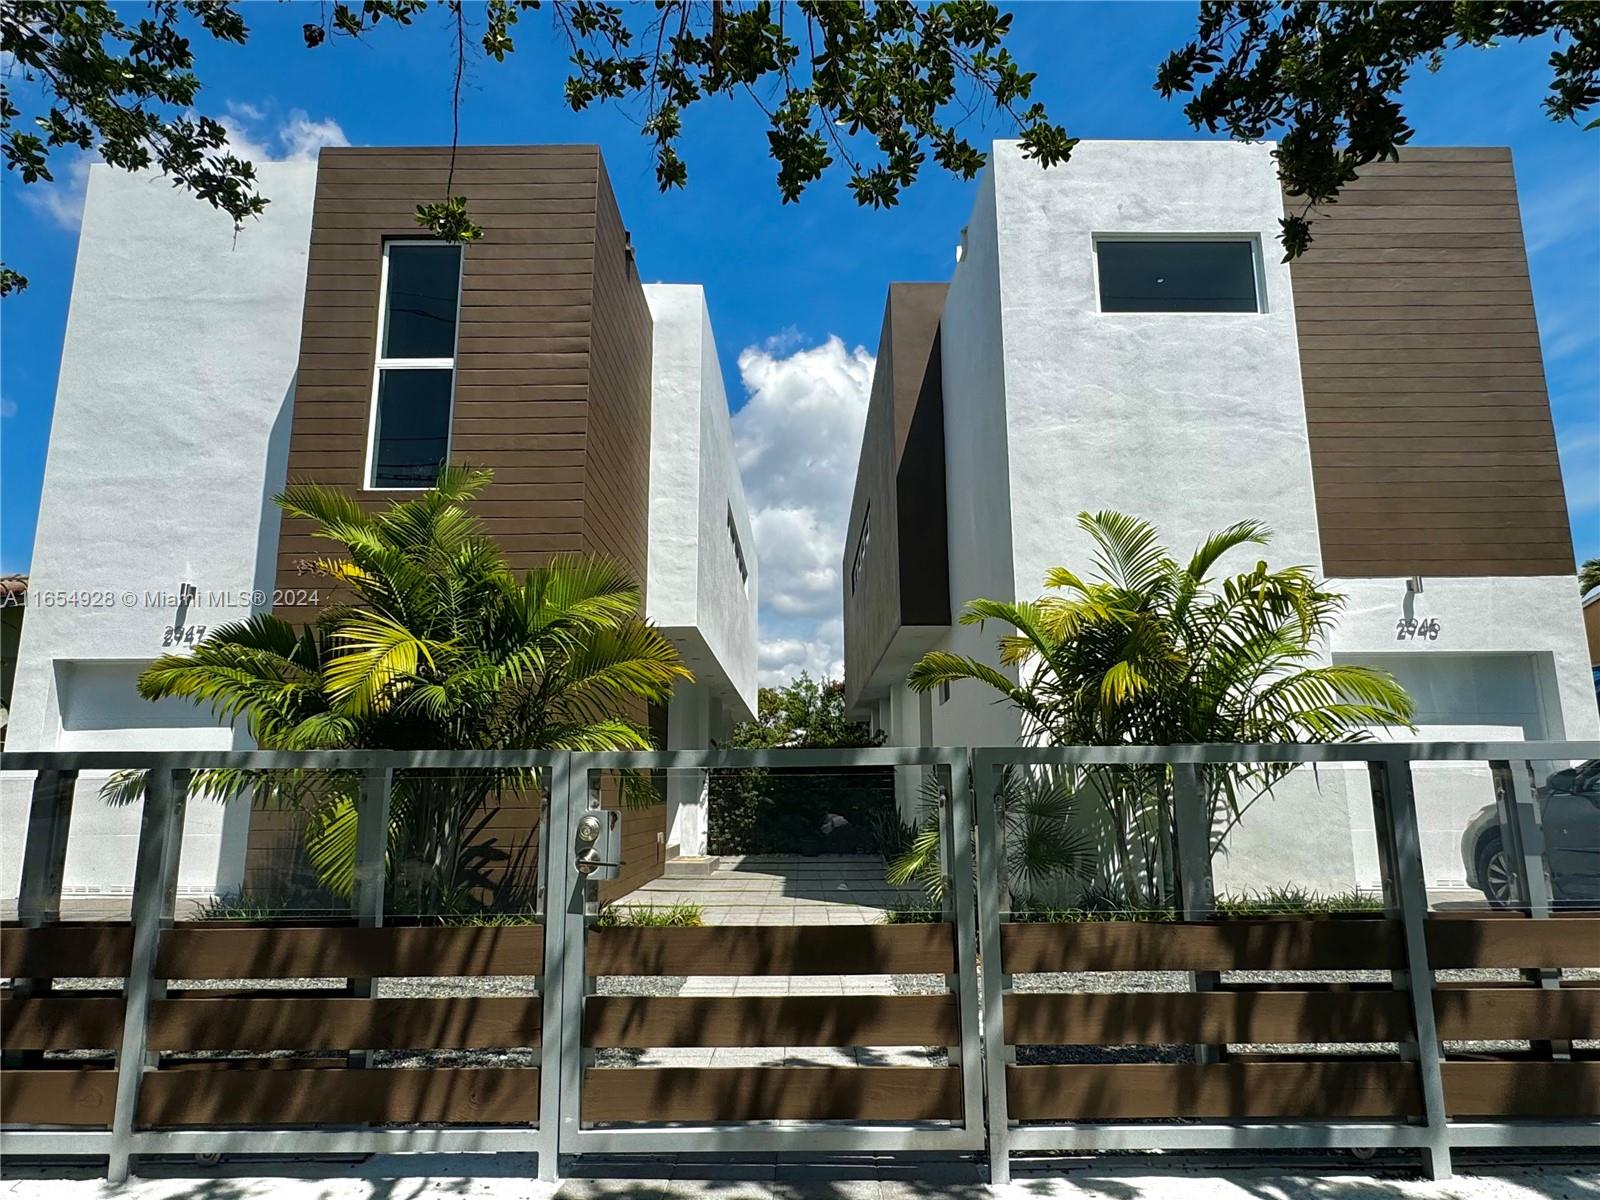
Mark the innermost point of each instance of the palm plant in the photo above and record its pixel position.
(1154, 651)
(1044, 843)
(439, 646)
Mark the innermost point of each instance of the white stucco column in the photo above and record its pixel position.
(688, 728)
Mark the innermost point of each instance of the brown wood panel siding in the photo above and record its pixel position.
(1513, 942)
(770, 1021)
(1424, 386)
(772, 1093)
(904, 578)
(236, 1023)
(774, 950)
(1294, 944)
(616, 478)
(287, 952)
(485, 1096)
(68, 1097)
(1516, 1013)
(99, 951)
(523, 337)
(1522, 1089)
(1166, 1018)
(1234, 1090)
(61, 1022)
(552, 387)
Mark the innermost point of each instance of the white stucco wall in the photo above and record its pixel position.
(169, 436)
(1190, 420)
(1508, 664)
(973, 368)
(694, 591)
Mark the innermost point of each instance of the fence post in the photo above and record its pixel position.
(957, 835)
(366, 897)
(990, 857)
(1395, 813)
(1523, 837)
(154, 878)
(44, 850)
(581, 792)
(557, 865)
(1196, 886)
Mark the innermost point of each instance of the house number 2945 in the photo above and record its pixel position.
(1409, 629)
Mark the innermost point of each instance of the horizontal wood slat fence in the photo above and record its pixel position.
(772, 1093)
(1380, 1029)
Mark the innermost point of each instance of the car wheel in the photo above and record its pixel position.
(1496, 879)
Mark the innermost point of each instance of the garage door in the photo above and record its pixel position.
(1460, 697)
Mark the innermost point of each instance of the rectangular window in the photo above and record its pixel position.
(1199, 275)
(944, 692)
(738, 550)
(415, 376)
(861, 548)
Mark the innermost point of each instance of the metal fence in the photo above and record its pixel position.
(187, 1069)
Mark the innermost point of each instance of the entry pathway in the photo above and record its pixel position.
(783, 890)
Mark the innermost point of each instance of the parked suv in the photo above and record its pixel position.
(1568, 803)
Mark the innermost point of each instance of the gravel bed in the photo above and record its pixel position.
(923, 985)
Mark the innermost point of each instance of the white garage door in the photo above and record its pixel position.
(1460, 697)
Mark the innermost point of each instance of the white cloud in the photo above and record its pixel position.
(61, 200)
(296, 139)
(797, 440)
(8, 407)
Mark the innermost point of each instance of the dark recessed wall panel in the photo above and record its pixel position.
(900, 489)
(1432, 446)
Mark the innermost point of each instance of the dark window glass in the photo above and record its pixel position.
(413, 431)
(424, 282)
(1141, 276)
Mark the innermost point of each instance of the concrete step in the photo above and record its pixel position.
(690, 866)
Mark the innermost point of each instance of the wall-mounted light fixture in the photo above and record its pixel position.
(1414, 585)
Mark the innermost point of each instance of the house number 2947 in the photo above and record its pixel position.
(1409, 629)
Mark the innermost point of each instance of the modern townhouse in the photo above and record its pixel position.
(1120, 333)
(330, 342)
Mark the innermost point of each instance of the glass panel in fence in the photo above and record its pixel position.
(752, 961)
(267, 846)
(1566, 798)
(464, 847)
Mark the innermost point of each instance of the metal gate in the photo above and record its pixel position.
(159, 1035)
(767, 1108)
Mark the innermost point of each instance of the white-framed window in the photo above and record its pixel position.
(1179, 273)
(861, 548)
(413, 383)
(738, 548)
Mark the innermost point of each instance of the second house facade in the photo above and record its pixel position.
(1120, 333)
(331, 343)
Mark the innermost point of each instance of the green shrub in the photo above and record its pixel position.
(788, 810)
(1297, 902)
(916, 914)
(648, 916)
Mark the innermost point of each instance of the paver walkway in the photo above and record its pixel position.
(784, 890)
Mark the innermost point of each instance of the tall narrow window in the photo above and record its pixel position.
(416, 364)
(738, 550)
(861, 549)
(1200, 275)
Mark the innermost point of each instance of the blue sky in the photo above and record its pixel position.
(796, 292)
